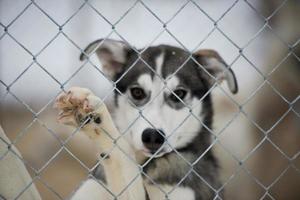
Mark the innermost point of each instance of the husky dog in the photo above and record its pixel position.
(163, 108)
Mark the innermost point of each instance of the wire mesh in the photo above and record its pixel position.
(164, 24)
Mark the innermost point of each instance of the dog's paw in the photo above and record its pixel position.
(79, 107)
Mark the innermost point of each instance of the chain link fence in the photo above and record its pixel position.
(64, 145)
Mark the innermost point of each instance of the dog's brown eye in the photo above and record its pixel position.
(181, 93)
(137, 93)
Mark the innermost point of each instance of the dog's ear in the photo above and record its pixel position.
(111, 53)
(216, 66)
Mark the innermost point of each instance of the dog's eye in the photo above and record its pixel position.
(137, 93)
(181, 93)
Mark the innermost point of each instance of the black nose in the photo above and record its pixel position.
(153, 139)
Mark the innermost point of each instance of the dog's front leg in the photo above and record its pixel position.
(81, 108)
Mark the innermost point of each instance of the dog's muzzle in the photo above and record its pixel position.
(153, 139)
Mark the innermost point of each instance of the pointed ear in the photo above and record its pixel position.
(111, 53)
(216, 66)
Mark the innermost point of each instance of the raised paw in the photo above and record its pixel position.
(78, 107)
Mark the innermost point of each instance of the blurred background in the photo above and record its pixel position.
(259, 149)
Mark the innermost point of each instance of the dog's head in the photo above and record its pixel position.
(160, 92)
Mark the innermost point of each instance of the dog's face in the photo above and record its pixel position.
(158, 101)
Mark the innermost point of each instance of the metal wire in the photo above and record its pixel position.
(164, 24)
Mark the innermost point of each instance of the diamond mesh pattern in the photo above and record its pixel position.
(61, 30)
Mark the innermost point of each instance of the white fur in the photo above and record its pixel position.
(91, 190)
(157, 114)
(159, 61)
(145, 81)
(13, 174)
(118, 168)
(179, 126)
(172, 83)
(159, 192)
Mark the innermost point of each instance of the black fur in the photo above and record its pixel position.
(171, 168)
(190, 75)
(207, 167)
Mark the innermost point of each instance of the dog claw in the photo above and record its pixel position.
(77, 106)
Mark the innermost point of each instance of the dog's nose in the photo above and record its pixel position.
(153, 139)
